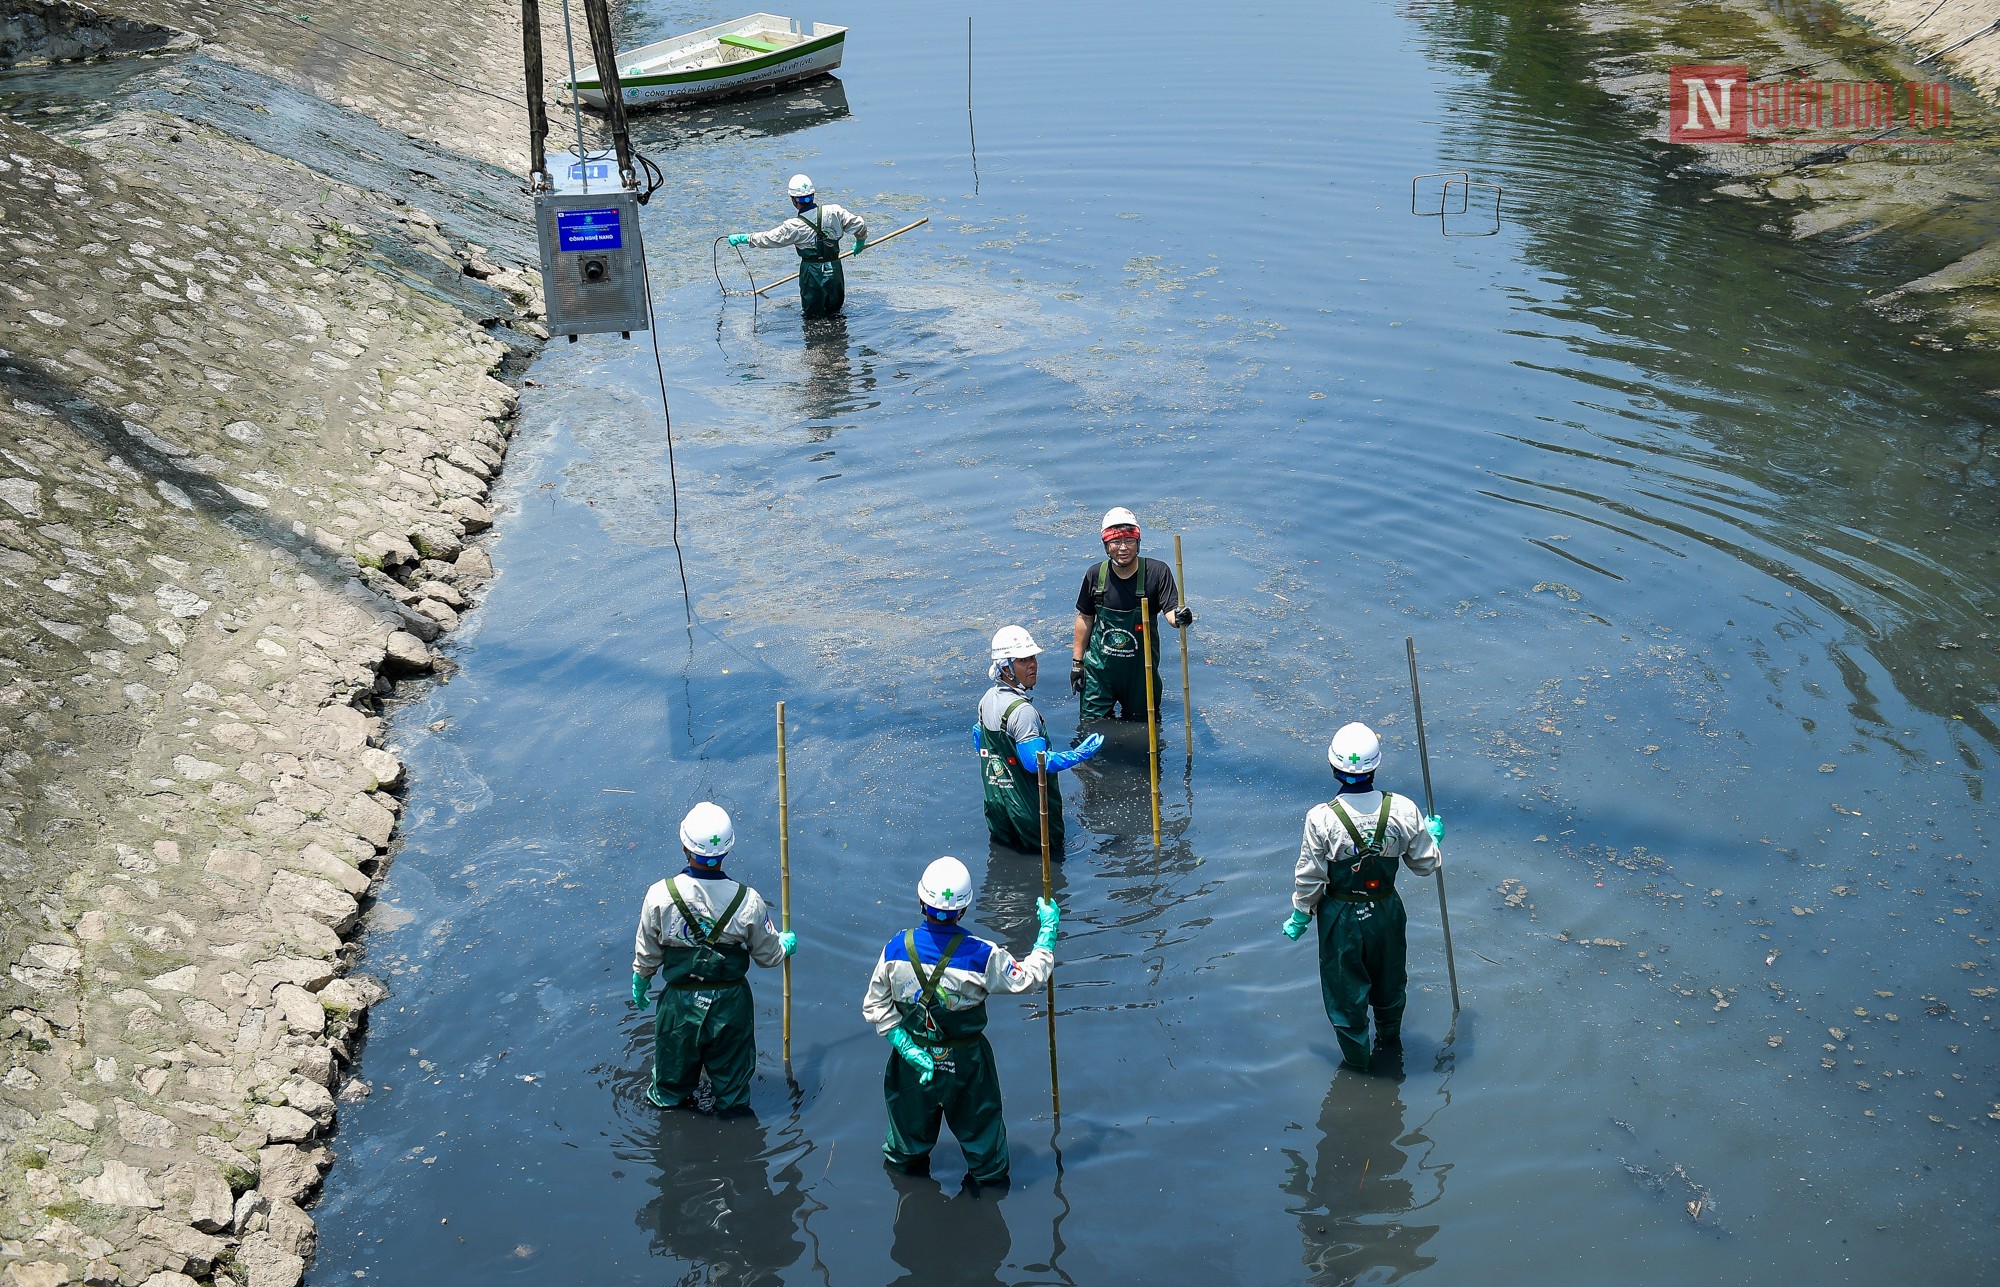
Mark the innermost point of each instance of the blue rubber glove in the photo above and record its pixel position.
(789, 941)
(1050, 916)
(1295, 924)
(1435, 825)
(913, 1055)
(860, 244)
(642, 992)
(1059, 760)
(976, 744)
(738, 238)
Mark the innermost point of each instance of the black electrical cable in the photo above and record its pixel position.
(667, 414)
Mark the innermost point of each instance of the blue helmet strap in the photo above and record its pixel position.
(938, 913)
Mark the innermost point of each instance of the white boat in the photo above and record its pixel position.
(736, 57)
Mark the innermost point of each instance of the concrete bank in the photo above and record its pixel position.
(1935, 203)
(258, 329)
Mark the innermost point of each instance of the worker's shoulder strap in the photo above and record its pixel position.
(1354, 832)
(709, 935)
(1103, 576)
(927, 986)
(1008, 714)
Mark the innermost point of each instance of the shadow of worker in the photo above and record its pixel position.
(1354, 1200)
(716, 1209)
(960, 1241)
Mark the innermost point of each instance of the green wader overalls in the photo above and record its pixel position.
(1362, 950)
(822, 282)
(706, 1017)
(1114, 675)
(965, 1087)
(1013, 800)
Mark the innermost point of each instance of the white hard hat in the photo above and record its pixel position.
(1010, 642)
(1119, 516)
(946, 885)
(707, 832)
(1354, 749)
(800, 186)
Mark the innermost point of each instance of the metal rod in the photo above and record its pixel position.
(1187, 693)
(1430, 807)
(971, 132)
(575, 94)
(1048, 892)
(1152, 715)
(871, 245)
(785, 875)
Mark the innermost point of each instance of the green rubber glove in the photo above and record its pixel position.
(860, 244)
(641, 991)
(913, 1055)
(1435, 825)
(789, 941)
(738, 238)
(1050, 916)
(1295, 924)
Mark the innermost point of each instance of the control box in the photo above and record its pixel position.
(593, 264)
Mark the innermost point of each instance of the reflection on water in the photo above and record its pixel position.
(1354, 1197)
(768, 115)
(955, 1241)
(715, 1206)
(840, 379)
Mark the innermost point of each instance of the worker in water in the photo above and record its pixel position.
(815, 230)
(1347, 875)
(1010, 734)
(928, 997)
(703, 929)
(1105, 669)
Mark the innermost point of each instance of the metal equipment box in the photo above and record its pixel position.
(593, 263)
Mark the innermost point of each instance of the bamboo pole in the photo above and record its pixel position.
(878, 241)
(1430, 807)
(1187, 693)
(1048, 892)
(1152, 714)
(785, 876)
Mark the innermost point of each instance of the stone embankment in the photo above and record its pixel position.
(1881, 190)
(255, 336)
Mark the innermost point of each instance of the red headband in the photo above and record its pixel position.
(1120, 533)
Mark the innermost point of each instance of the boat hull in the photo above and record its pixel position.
(800, 62)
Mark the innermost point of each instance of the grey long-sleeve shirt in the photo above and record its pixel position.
(837, 221)
(661, 924)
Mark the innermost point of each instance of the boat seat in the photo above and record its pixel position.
(749, 42)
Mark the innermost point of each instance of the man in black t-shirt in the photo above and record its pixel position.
(1105, 669)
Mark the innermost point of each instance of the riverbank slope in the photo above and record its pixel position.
(260, 326)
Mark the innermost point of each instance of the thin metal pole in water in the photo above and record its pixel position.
(1048, 892)
(785, 876)
(970, 132)
(1152, 715)
(1430, 807)
(1187, 693)
(871, 245)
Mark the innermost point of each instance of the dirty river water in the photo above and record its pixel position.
(1696, 549)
